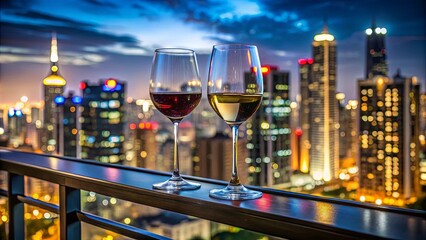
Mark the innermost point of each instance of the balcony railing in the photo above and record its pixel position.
(277, 213)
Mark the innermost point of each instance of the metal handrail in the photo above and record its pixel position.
(278, 213)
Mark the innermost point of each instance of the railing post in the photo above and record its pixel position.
(16, 207)
(70, 227)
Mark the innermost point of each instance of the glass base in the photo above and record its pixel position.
(238, 192)
(176, 184)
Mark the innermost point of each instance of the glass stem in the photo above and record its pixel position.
(234, 179)
(176, 152)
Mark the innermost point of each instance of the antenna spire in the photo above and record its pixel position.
(54, 49)
(325, 27)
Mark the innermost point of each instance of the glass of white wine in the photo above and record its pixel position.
(235, 89)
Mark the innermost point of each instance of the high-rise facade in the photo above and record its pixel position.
(102, 126)
(376, 63)
(389, 140)
(4, 138)
(17, 126)
(213, 158)
(268, 131)
(145, 146)
(53, 86)
(348, 132)
(306, 100)
(323, 117)
(422, 139)
(69, 125)
(186, 137)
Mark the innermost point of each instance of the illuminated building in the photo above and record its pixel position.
(207, 121)
(422, 139)
(348, 138)
(376, 52)
(186, 148)
(213, 158)
(306, 84)
(296, 161)
(4, 139)
(17, 127)
(145, 145)
(177, 226)
(389, 140)
(35, 134)
(69, 126)
(323, 116)
(349, 135)
(102, 126)
(268, 131)
(136, 110)
(53, 85)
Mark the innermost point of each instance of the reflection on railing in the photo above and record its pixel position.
(324, 212)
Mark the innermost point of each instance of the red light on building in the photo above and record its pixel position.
(83, 85)
(132, 126)
(141, 125)
(298, 132)
(304, 61)
(254, 69)
(111, 83)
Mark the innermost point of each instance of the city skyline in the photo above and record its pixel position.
(75, 84)
(114, 44)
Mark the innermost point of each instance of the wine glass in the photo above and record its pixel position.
(235, 89)
(175, 90)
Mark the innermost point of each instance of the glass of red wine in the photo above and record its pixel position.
(235, 90)
(175, 90)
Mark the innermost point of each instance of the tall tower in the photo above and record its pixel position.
(376, 52)
(306, 83)
(53, 85)
(68, 109)
(102, 127)
(145, 146)
(323, 133)
(268, 131)
(212, 156)
(389, 140)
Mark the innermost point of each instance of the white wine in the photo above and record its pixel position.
(234, 108)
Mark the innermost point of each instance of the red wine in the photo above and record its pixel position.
(175, 105)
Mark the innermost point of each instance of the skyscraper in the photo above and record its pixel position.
(348, 135)
(17, 126)
(306, 84)
(268, 131)
(53, 85)
(145, 146)
(4, 138)
(389, 140)
(376, 63)
(323, 118)
(213, 158)
(102, 127)
(69, 126)
(422, 139)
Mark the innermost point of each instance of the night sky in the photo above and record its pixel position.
(105, 38)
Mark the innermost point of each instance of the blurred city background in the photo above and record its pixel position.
(343, 113)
